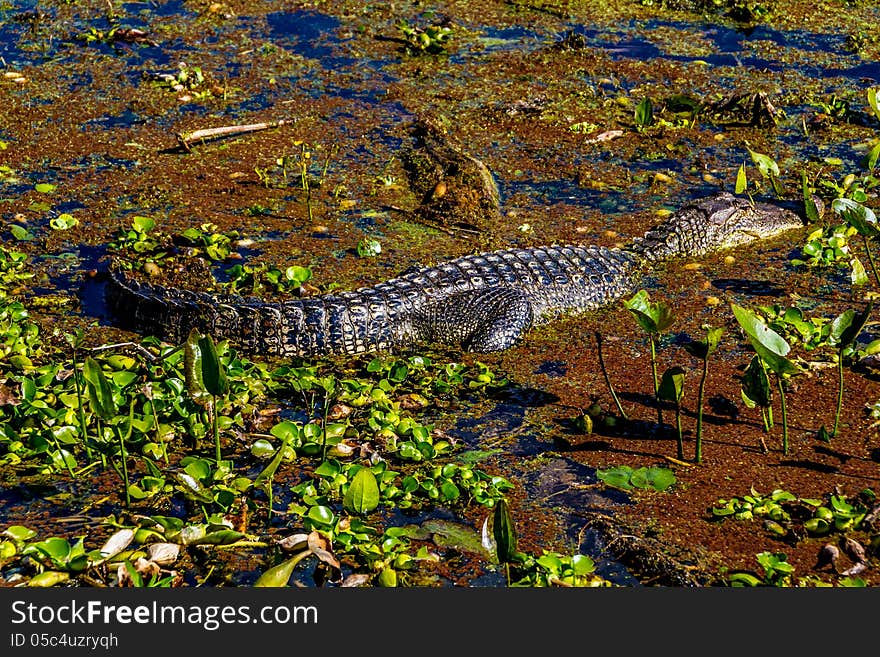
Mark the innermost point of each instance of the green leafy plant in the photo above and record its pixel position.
(627, 478)
(702, 349)
(654, 319)
(205, 378)
(671, 389)
(845, 328)
(772, 349)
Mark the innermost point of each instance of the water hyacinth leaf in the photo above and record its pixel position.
(581, 565)
(219, 537)
(45, 188)
(322, 515)
(99, 391)
(21, 233)
(455, 535)
(262, 448)
(19, 533)
(769, 345)
(617, 477)
(362, 495)
(765, 164)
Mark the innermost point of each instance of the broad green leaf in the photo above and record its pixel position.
(766, 165)
(581, 565)
(99, 391)
(846, 327)
(857, 275)
(143, 224)
(618, 477)
(756, 384)
(20, 233)
(769, 345)
(44, 188)
(660, 478)
(321, 514)
(741, 181)
(651, 317)
(857, 215)
(362, 495)
(19, 533)
(672, 385)
(213, 374)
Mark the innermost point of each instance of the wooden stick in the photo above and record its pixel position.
(187, 139)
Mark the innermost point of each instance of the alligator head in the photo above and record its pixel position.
(711, 224)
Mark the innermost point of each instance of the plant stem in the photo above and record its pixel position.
(784, 415)
(680, 445)
(698, 450)
(656, 382)
(607, 378)
(81, 414)
(124, 457)
(839, 391)
(218, 455)
(871, 259)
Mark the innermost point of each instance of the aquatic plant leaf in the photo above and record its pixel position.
(279, 575)
(741, 181)
(504, 532)
(810, 207)
(455, 535)
(192, 368)
(765, 164)
(858, 275)
(644, 115)
(768, 344)
(672, 385)
(857, 215)
(362, 495)
(872, 156)
(874, 101)
(617, 477)
(651, 317)
(756, 384)
(213, 374)
(48, 578)
(845, 328)
(660, 478)
(99, 391)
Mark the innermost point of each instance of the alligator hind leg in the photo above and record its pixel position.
(491, 319)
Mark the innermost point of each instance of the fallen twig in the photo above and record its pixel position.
(187, 139)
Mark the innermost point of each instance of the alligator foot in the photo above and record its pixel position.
(490, 319)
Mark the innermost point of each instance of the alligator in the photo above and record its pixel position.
(482, 302)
